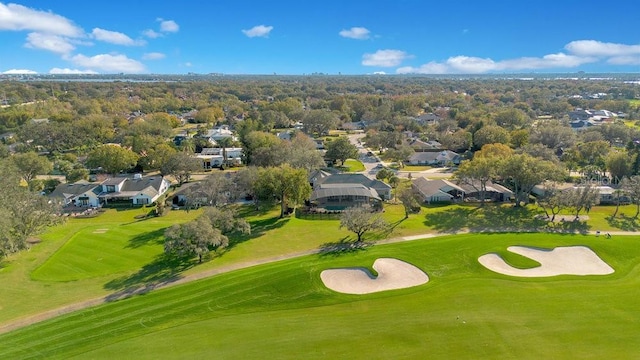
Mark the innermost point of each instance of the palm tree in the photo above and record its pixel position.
(224, 143)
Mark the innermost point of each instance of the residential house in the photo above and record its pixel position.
(437, 191)
(442, 190)
(81, 193)
(493, 192)
(138, 190)
(428, 119)
(356, 125)
(339, 191)
(316, 177)
(342, 196)
(382, 189)
(439, 158)
(219, 133)
(214, 157)
(606, 194)
(423, 146)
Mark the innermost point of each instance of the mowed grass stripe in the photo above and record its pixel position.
(295, 284)
(124, 319)
(93, 255)
(106, 324)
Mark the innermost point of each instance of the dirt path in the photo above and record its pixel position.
(16, 324)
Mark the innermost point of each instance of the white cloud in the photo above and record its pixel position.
(19, 71)
(188, 64)
(476, 65)
(598, 48)
(358, 33)
(385, 58)
(114, 37)
(151, 34)
(258, 31)
(70, 71)
(50, 42)
(168, 25)
(114, 63)
(153, 56)
(19, 18)
(624, 60)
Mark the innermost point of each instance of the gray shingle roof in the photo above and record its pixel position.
(327, 190)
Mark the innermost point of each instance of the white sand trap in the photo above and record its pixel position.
(100, 231)
(570, 260)
(392, 274)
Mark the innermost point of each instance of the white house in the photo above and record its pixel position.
(214, 157)
(437, 158)
(138, 190)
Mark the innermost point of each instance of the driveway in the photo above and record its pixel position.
(371, 163)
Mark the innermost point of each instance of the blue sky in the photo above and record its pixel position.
(301, 37)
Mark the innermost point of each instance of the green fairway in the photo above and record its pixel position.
(99, 251)
(283, 311)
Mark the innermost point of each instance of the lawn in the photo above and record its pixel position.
(352, 165)
(283, 310)
(416, 168)
(91, 258)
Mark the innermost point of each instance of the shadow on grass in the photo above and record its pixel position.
(258, 228)
(163, 270)
(147, 238)
(343, 246)
(624, 223)
(497, 218)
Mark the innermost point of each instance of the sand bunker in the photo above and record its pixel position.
(100, 231)
(571, 260)
(392, 274)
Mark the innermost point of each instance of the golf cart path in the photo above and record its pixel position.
(29, 320)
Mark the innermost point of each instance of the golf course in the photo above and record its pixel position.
(100, 288)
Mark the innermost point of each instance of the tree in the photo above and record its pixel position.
(22, 213)
(112, 158)
(227, 221)
(246, 181)
(490, 134)
(553, 135)
(287, 184)
(619, 165)
(341, 149)
(477, 173)
(158, 156)
(303, 154)
(631, 187)
(217, 189)
(385, 174)
(256, 142)
(319, 122)
(409, 200)
(581, 198)
(209, 115)
(512, 118)
(181, 166)
(31, 164)
(361, 219)
(160, 205)
(197, 237)
(553, 200)
(524, 172)
(399, 154)
(495, 151)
